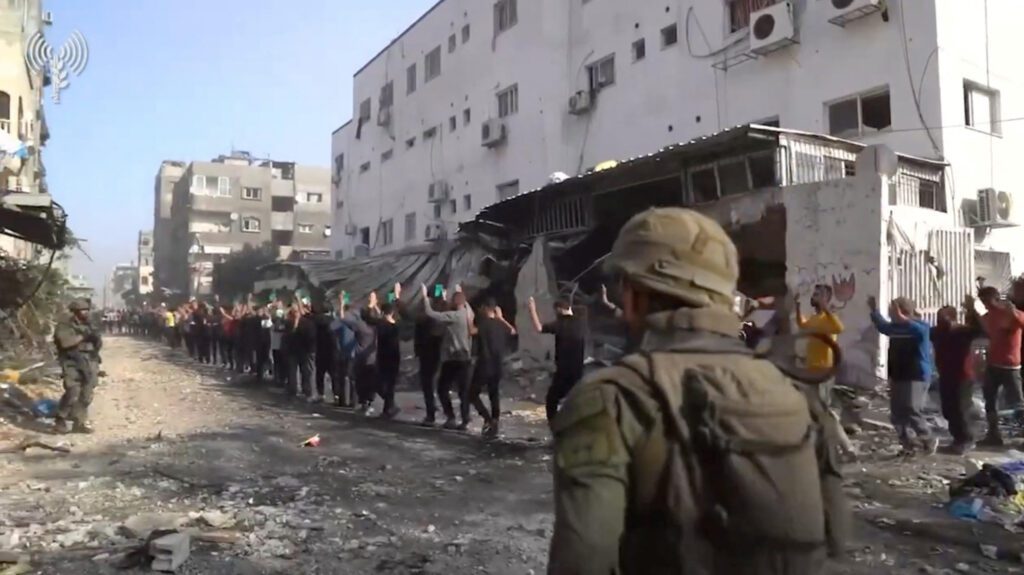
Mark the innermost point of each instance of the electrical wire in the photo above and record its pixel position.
(690, 14)
(910, 78)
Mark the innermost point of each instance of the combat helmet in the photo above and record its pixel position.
(79, 305)
(679, 253)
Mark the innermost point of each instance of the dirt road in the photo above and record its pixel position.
(183, 446)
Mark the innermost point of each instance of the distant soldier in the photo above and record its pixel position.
(693, 455)
(78, 349)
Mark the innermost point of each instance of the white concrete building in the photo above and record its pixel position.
(932, 79)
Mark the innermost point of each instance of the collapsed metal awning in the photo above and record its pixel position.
(35, 218)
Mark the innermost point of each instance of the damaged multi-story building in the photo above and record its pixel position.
(478, 101)
(216, 208)
(145, 255)
(30, 221)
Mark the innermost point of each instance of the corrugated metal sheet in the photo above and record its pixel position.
(938, 276)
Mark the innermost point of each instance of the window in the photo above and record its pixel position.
(387, 155)
(508, 101)
(437, 211)
(364, 168)
(704, 185)
(339, 165)
(429, 133)
(223, 187)
(314, 198)
(198, 184)
(5, 106)
(432, 65)
(453, 206)
(859, 115)
(467, 202)
(387, 95)
(669, 36)
(602, 73)
(740, 10)
(410, 227)
(981, 108)
(145, 280)
(467, 117)
(453, 123)
(365, 110)
(639, 50)
(410, 143)
(453, 41)
(252, 194)
(305, 228)
(386, 232)
(282, 204)
(364, 236)
(505, 15)
(410, 79)
(508, 190)
(465, 33)
(251, 225)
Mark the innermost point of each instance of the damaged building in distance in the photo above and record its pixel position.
(476, 102)
(206, 211)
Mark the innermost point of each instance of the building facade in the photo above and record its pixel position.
(145, 255)
(479, 101)
(21, 108)
(163, 198)
(123, 282)
(219, 207)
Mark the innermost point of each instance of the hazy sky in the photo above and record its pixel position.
(189, 79)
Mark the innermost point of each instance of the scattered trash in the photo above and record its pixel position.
(45, 407)
(311, 442)
(990, 551)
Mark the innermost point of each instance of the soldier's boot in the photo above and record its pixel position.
(83, 428)
(62, 426)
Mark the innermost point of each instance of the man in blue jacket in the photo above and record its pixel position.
(910, 371)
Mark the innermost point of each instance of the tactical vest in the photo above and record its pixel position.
(737, 476)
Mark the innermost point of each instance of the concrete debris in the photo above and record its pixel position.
(169, 552)
(140, 526)
(217, 519)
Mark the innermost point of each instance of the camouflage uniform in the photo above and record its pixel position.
(612, 442)
(78, 346)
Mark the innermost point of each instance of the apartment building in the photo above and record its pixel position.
(21, 112)
(145, 259)
(220, 206)
(123, 279)
(163, 197)
(479, 101)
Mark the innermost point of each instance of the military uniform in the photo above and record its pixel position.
(692, 455)
(78, 350)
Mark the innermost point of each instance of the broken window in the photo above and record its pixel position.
(639, 50)
(364, 236)
(505, 15)
(410, 79)
(669, 36)
(365, 110)
(732, 177)
(5, 106)
(387, 155)
(704, 185)
(762, 170)
(919, 189)
(410, 143)
(508, 101)
(410, 226)
(437, 211)
(465, 33)
(453, 206)
(251, 224)
(467, 202)
(432, 65)
(453, 124)
(429, 133)
(453, 42)
(859, 115)
(740, 10)
(387, 95)
(282, 204)
(981, 108)
(364, 168)
(386, 232)
(467, 117)
(602, 73)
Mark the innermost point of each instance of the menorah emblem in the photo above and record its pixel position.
(72, 58)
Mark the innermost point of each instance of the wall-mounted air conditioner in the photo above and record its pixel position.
(842, 12)
(995, 209)
(438, 191)
(493, 132)
(772, 28)
(580, 103)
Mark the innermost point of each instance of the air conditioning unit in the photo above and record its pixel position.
(493, 132)
(434, 232)
(47, 17)
(439, 191)
(843, 12)
(995, 209)
(772, 28)
(351, 229)
(580, 103)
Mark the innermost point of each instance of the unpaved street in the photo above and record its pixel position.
(183, 446)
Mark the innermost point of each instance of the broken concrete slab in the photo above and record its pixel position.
(169, 552)
(140, 526)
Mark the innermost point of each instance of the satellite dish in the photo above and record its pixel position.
(234, 217)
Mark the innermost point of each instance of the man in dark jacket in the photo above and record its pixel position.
(364, 366)
(952, 342)
(427, 346)
(910, 371)
(326, 347)
(301, 347)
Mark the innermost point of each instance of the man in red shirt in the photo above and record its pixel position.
(1003, 323)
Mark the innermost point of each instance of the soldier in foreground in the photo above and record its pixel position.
(78, 350)
(692, 455)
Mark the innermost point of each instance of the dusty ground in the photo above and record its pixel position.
(185, 446)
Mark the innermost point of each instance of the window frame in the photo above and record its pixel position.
(665, 44)
(594, 71)
(386, 232)
(411, 76)
(467, 202)
(387, 155)
(430, 133)
(466, 33)
(245, 226)
(453, 43)
(510, 106)
(310, 195)
(994, 105)
(250, 197)
(366, 109)
(197, 188)
(750, 6)
(410, 227)
(467, 116)
(364, 167)
(506, 16)
(641, 54)
(435, 55)
(859, 99)
(453, 123)
(305, 228)
(223, 187)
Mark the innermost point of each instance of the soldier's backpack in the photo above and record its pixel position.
(741, 479)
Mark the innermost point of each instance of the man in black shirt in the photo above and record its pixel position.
(427, 340)
(389, 358)
(326, 346)
(570, 334)
(302, 345)
(492, 334)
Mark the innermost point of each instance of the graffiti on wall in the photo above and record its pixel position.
(843, 285)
